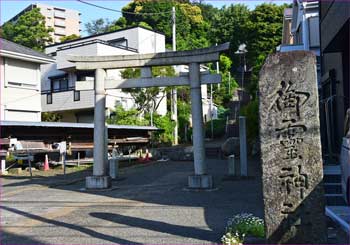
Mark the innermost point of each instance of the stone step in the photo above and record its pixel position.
(335, 200)
(335, 178)
(331, 170)
(332, 188)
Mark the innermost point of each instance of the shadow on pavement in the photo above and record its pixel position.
(69, 226)
(177, 230)
(163, 184)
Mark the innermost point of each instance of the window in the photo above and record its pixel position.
(76, 95)
(22, 85)
(59, 84)
(49, 98)
(21, 74)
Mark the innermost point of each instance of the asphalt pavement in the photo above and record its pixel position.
(149, 204)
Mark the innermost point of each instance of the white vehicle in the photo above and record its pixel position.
(345, 169)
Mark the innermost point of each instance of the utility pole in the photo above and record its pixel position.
(211, 112)
(229, 83)
(174, 90)
(217, 67)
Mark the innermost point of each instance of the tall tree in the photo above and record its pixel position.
(190, 26)
(148, 99)
(264, 35)
(230, 25)
(29, 30)
(97, 26)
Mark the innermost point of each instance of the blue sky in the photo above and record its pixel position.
(9, 8)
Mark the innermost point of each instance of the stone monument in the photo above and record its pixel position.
(291, 149)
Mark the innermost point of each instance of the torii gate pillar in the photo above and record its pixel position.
(200, 179)
(99, 180)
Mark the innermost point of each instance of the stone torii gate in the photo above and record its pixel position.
(194, 79)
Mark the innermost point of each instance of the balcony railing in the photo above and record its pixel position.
(69, 99)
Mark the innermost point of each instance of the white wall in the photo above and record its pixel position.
(2, 82)
(150, 42)
(62, 101)
(133, 35)
(20, 90)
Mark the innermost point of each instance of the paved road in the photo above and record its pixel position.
(149, 206)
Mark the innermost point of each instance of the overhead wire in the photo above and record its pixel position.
(123, 12)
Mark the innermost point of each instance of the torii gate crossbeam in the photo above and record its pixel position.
(193, 58)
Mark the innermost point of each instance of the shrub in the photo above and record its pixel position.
(251, 112)
(165, 137)
(218, 128)
(242, 225)
(10, 158)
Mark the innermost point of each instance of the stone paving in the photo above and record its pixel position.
(150, 205)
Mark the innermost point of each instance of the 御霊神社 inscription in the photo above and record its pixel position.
(291, 149)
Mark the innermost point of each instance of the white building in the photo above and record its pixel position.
(64, 21)
(304, 29)
(58, 80)
(20, 82)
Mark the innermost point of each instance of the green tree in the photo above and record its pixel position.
(184, 114)
(126, 117)
(230, 25)
(98, 26)
(29, 30)
(191, 27)
(166, 124)
(148, 99)
(69, 38)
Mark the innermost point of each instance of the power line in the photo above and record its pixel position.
(123, 12)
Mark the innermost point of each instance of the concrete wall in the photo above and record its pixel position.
(150, 42)
(20, 90)
(62, 101)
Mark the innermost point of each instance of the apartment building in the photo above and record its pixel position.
(64, 21)
(302, 22)
(20, 82)
(58, 80)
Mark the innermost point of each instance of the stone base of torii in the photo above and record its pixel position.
(193, 58)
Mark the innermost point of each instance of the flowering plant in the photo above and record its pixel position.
(242, 225)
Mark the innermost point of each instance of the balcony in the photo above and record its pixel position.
(60, 31)
(68, 99)
(59, 22)
(60, 14)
